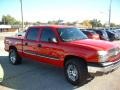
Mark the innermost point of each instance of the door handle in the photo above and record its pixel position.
(26, 43)
(39, 45)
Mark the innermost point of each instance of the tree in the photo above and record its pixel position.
(86, 23)
(52, 22)
(57, 22)
(95, 23)
(10, 20)
(112, 25)
(37, 23)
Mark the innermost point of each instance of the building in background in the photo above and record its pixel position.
(9, 28)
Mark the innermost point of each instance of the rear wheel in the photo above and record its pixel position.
(76, 71)
(14, 58)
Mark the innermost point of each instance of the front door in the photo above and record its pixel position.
(49, 51)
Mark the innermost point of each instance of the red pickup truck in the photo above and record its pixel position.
(65, 47)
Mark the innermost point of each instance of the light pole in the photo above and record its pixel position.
(22, 15)
(109, 14)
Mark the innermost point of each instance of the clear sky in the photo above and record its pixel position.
(68, 10)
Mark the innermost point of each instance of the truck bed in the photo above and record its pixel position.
(13, 41)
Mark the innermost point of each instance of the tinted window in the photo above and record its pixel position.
(89, 32)
(47, 34)
(93, 32)
(99, 32)
(85, 32)
(32, 34)
(71, 34)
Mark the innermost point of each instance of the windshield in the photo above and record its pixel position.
(71, 34)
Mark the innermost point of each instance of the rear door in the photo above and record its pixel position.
(30, 43)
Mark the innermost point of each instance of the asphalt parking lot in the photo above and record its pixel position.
(31, 75)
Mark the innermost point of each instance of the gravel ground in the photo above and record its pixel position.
(36, 76)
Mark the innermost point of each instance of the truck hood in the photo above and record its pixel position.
(96, 44)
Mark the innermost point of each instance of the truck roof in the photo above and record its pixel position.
(52, 26)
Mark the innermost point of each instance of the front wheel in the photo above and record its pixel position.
(76, 71)
(14, 58)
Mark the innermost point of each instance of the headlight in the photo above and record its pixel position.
(114, 52)
(117, 51)
(103, 56)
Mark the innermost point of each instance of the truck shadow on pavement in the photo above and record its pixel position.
(32, 75)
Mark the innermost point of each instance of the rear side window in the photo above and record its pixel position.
(99, 32)
(47, 33)
(85, 32)
(32, 34)
(92, 32)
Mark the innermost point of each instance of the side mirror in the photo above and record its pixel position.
(53, 40)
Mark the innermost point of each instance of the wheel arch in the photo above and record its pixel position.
(12, 47)
(68, 57)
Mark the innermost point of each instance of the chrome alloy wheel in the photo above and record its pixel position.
(72, 72)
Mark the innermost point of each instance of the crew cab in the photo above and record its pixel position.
(65, 47)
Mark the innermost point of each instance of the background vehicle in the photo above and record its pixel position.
(91, 34)
(64, 47)
(116, 34)
(102, 34)
(21, 33)
(111, 35)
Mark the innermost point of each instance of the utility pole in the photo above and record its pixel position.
(22, 15)
(109, 14)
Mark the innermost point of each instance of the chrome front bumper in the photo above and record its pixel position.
(105, 67)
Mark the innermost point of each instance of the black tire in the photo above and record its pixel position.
(14, 58)
(79, 75)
